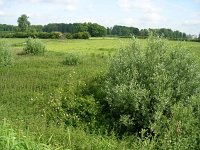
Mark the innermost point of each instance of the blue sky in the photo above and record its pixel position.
(183, 15)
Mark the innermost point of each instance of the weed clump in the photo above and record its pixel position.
(72, 59)
(34, 46)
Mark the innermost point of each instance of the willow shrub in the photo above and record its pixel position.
(6, 57)
(34, 46)
(144, 82)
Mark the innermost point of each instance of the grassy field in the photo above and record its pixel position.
(34, 77)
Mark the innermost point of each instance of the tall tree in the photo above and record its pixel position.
(23, 23)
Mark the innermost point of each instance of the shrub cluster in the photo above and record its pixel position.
(6, 57)
(34, 46)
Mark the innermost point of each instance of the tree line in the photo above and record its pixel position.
(79, 30)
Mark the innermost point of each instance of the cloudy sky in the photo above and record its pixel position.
(183, 15)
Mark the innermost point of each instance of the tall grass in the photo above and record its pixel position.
(6, 57)
(10, 140)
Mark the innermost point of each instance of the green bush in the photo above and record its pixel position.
(85, 35)
(144, 82)
(68, 36)
(6, 57)
(72, 59)
(34, 46)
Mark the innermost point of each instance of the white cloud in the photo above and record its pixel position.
(193, 22)
(54, 1)
(69, 5)
(153, 17)
(1, 13)
(130, 22)
(34, 15)
(35, 1)
(198, 1)
(1, 2)
(91, 7)
(145, 6)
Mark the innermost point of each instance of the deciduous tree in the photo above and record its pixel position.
(23, 23)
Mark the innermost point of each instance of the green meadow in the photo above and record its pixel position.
(27, 86)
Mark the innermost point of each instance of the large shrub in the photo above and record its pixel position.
(34, 46)
(5, 55)
(144, 82)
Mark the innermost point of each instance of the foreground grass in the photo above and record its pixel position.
(32, 76)
(10, 140)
